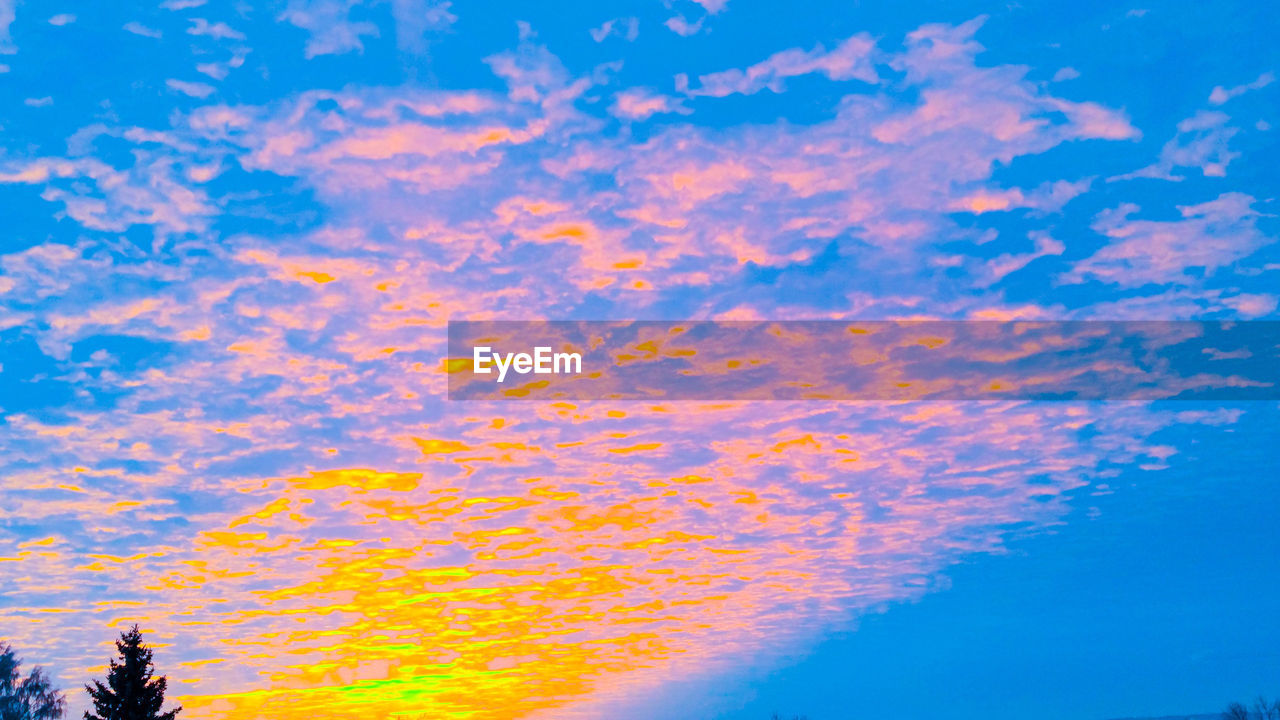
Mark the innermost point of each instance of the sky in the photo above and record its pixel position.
(232, 236)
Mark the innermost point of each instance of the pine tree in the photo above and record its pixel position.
(29, 698)
(131, 693)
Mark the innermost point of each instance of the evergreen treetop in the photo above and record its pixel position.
(131, 691)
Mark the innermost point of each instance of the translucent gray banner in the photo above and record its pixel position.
(879, 360)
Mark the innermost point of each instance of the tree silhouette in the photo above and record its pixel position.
(1262, 710)
(1265, 710)
(131, 693)
(29, 698)
(1236, 711)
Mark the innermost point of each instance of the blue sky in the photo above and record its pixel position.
(1149, 602)
(233, 235)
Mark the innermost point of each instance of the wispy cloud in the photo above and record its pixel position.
(851, 60)
(1221, 95)
(626, 28)
(1202, 142)
(8, 14)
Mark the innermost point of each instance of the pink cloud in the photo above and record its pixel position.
(1211, 236)
(1202, 141)
(852, 59)
(640, 104)
(1221, 95)
(627, 28)
(682, 27)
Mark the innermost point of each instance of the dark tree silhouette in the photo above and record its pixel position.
(1264, 710)
(131, 693)
(26, 698)
(1236, 711)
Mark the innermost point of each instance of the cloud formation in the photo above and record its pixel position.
(231, 307)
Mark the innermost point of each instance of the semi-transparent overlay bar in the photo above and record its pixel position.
(878, 360)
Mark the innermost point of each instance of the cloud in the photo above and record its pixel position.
(851, 60)
(1003, 265)
(641, 104)
(102, 197)
(713, 6)
(1202, 141)
(620, 557)
(1221, 95)
(193, 89)
(1252, 305)
(416, 18)
(679, 25)
(138, 28)
(7, 16)
(889, 168)
(216, 30)
(332, 32)
(1211, 236)
(626, 28)
(1049, 197)
(220, 70)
